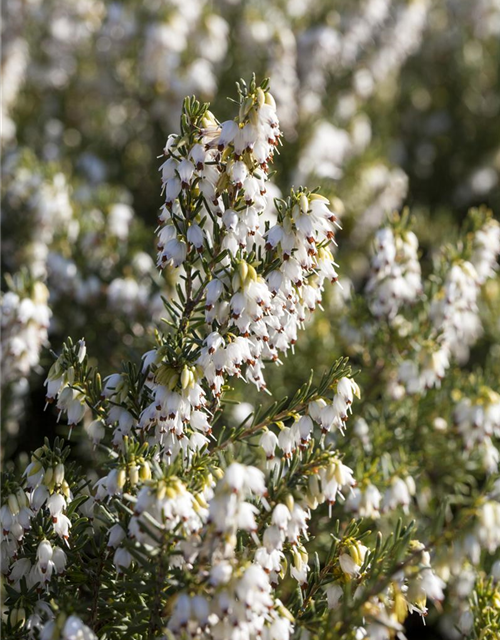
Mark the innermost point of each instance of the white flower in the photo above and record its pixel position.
(185, 169)
(305, 428)
(62, 526)
(173, 254)
(172, 190)
(239, 173)
(351, 562)
(228, 131)
(431, 584)
(395, 278)
(55, 504)
(96, 431)
(220, 573)
(115, 536)
(122, 559)
(268, 441)
(195, 236)
(288, 440)
(245, 479)
(366, 501)
(348, 565)
(399, 493)
(74, 629)
(281, 516)
(334, 593)
(44, 555)
(59, 559)
(19, 569)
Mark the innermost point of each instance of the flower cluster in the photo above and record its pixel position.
(395, 274)
(195, 524)
(25, 322)
(478, 422)
(256, 279)
(453, 307)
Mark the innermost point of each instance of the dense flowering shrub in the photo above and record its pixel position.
(91, 86)
(66, 243)
(296, 519)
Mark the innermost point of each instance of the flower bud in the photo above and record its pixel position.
(17, 617)
(318, 196)
(59, 474)
(218, 473)
(65, 489)
(261, 97)
(289, 501)
(35, 468)
(304, 203)
(44, 554)
(22, 500)
(121, 478)
(252, 274)
(133, 475)
(145, 471)
(55, 372)
(270, 100)
(161, 491)
(236, 282)
(70, 375)
(185, 377)
(243, 271)
(245, 107)
(173, 382)
(82, 350)
(13, 504)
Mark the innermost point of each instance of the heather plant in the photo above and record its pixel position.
(66, 244)
(296, 520)
(90, 87)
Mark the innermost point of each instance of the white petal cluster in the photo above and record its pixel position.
(329, 416)
(14, 64)
(486, 250)
(395, 278)
(244, 608)
(478, 422)
(325, 50)
(25, 321)
(229, 511)
(59, 383)
(15, 521)
(454, 309)
(182, 52)
(168, 506)
(401, 40)
(62, 628)
(242, 604)
(427, 368)
(365, 500)
(49, 560)
(46, 200)
(399, 493)
(454, 312)
(352, 558)
(488, 526)
(288, 524)
(46, 489)
(251, 315)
